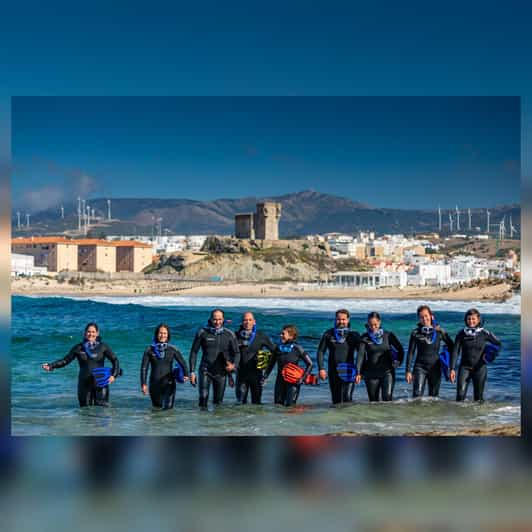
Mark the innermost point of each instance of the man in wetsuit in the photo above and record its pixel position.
(341, 343)
(471, 342)
(220, 356)
(249, 377)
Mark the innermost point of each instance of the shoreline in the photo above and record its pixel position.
(497, 430)
(28, 286)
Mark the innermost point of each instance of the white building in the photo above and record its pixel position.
(370, 280)
(25, 265)
(431, 274)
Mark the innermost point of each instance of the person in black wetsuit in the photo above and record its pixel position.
(288, 351)
(91, 353)
(426, 340)
(160, 356)
(220, 356)
(471, 343)
(249, 377)
(376, 360)
(341, 343)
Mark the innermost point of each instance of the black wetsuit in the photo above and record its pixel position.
(88, 393)
(162, 380)
(375, 363)
(340, 350)
(427, 365)
(472, 365)
(287, 393)
(248, 376)
(217, 349)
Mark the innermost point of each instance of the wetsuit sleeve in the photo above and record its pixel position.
(448, 341)
(397, 344)
(144, 366)
(109, 355)
(194, 351)
(412, 345)
(321, 351)
(304, 356)
(360, 355)
(492, 339)
(235, 350)
(181, 361)
(62, 362)
(273, 360)
(456, 350)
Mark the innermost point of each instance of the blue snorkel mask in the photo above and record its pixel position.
(159, 348)
(90, 347)
(340, 334)
(247, 337)
(376, 336)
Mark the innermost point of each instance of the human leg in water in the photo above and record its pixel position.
(89, 395)
(373, 388)
(204, 385)
(479, 377)
(163, 396)
(218, 388)
(292, 393)
(347, 391)
(255, 385)
(434, 378)
(241, 388)
(280, 390)
(387, 385)
(420, 378)
(335, 385)
(462, 383)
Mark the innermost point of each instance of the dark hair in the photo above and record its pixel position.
(471, 312)
(342, 311)
(292, 330)
(157, 329)
(217, 310)
(424, 307)
(95, 325)
(374, 315)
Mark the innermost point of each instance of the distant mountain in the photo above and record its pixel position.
(302, 213)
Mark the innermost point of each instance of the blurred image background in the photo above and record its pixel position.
(197, 484)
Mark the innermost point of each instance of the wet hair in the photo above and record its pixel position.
(372, 315)
(292, 330)
(472, 312)
(95, 325)
(424, 307)
(342, 311)
(157, 329)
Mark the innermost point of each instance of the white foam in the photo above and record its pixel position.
(362, 306)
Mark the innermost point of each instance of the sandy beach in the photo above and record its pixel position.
(41, 286)
(497, 430)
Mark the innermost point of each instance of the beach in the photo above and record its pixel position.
(44, 286)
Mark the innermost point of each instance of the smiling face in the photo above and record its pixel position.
(342, 321)
(286, 336)
(217, 319)
(374, 324)
(162, 335)
(248, 321)
(91, 333)
(425, 318)
(473, 320)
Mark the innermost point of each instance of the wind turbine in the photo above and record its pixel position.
(469, 214)
(457, 219)
(439, 218)
(450, 222)
(512, 228)
(488, 224)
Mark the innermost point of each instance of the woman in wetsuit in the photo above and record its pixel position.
(379, 353)
(160, 356)
(341, 343)
(471, 343)
(91, 353)
(288, 351)
(425, 340)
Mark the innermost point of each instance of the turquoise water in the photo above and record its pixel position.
(44, 329)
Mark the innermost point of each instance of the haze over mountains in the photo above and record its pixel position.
(303, 213)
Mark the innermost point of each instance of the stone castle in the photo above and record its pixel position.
(261, 225)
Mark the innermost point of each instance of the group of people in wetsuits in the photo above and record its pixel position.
(246, 358)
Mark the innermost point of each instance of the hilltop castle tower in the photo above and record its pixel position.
(267, 220)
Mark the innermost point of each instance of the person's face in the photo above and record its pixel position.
(91, 334)
(425, 318)
(286, 336)
(248, 321)
(374, 324)
(472, 320)
(217, 319)
(162, 335)
(342, 321)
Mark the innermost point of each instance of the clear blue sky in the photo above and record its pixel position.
(288, 48)
(386, 151)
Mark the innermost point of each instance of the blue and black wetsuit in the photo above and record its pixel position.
(160, 358)
(427, 366)
(249, 378)
(375, 363)
(341, 346)
(471, 344)
(218, 348)
(287, 393)
(90, 357)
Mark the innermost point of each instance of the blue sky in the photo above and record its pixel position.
(289, 48)
(386, 151)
